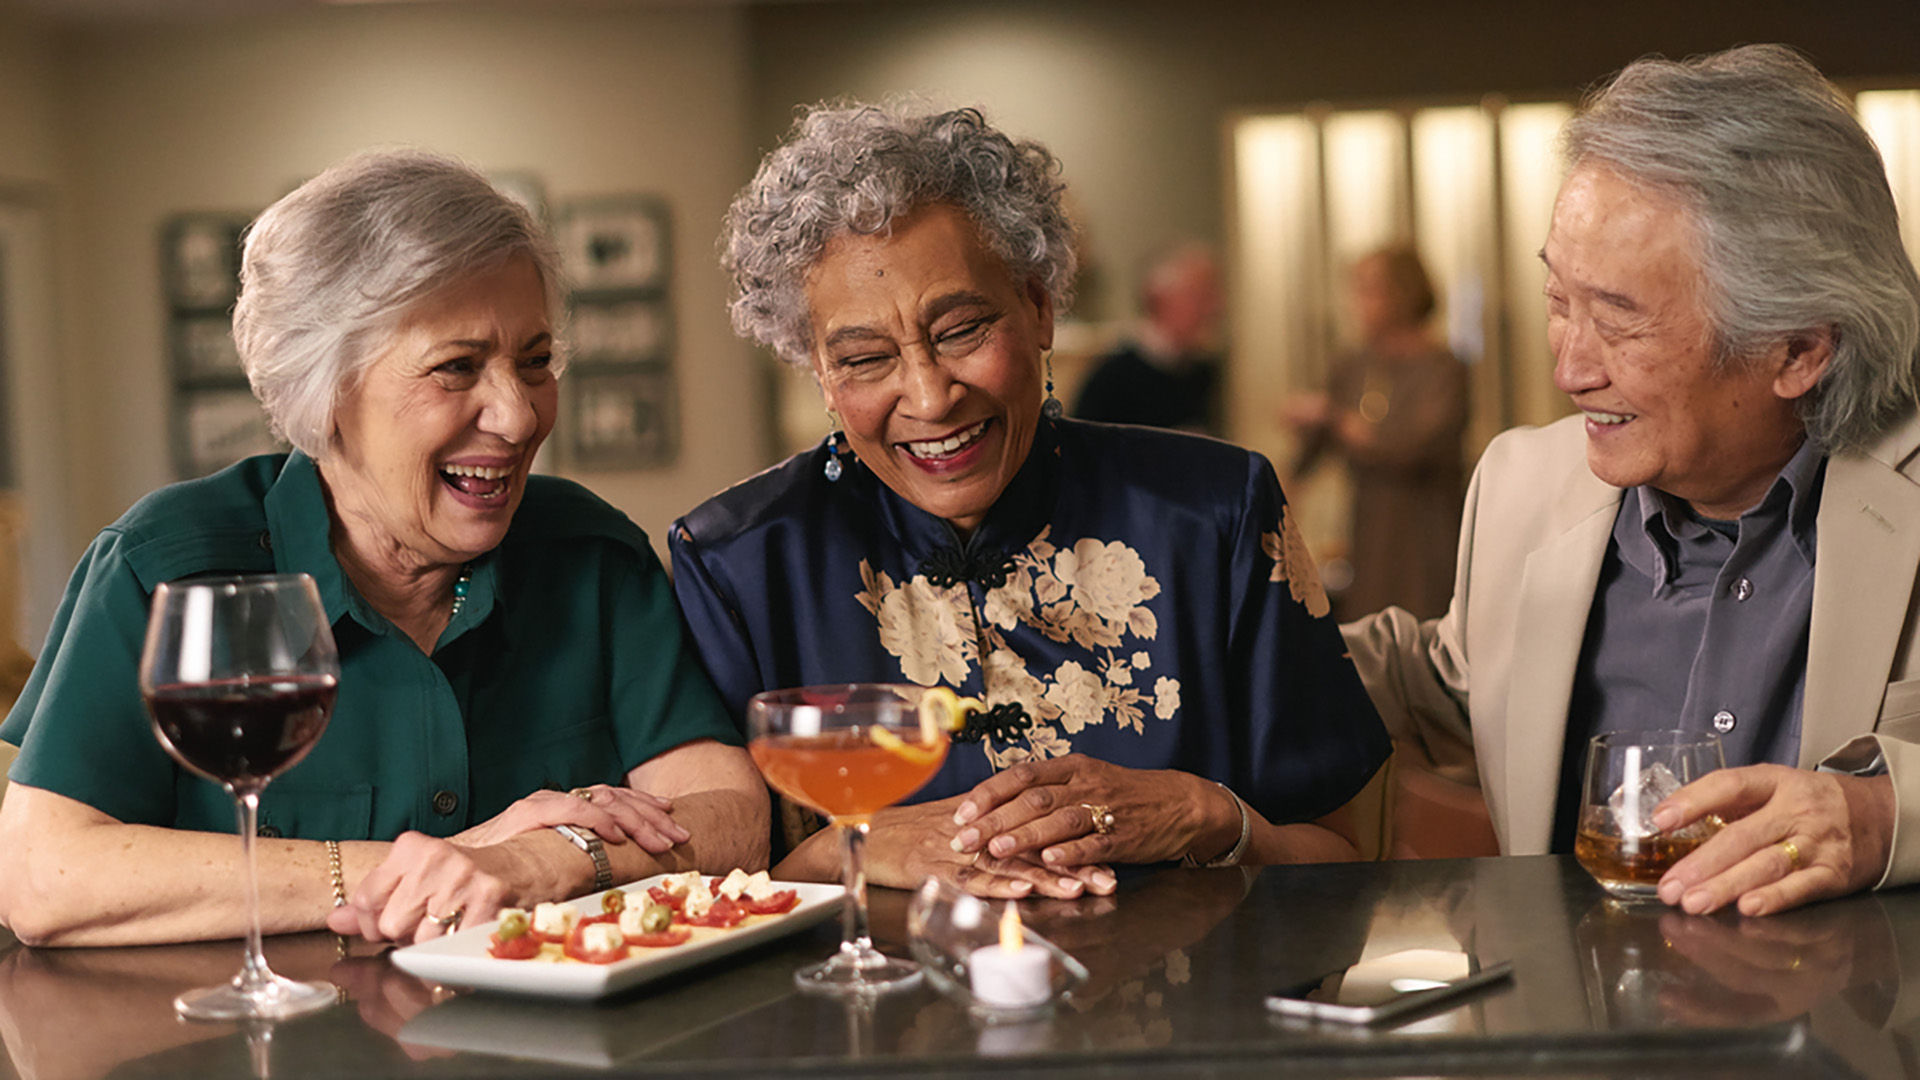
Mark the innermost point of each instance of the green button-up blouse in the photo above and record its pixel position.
(565, 666)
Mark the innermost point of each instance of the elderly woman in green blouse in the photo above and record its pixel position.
(507, 641)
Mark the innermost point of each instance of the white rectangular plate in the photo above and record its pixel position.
(461, 959)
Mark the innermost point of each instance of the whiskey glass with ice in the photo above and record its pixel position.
(1627, 775)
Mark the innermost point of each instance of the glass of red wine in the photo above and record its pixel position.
(240, 674)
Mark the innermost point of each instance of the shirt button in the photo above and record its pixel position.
(1742, 589)
(445, 802)
(266, 542)
(269, 832)
(1724, 721)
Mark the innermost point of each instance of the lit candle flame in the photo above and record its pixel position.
(1010, 938)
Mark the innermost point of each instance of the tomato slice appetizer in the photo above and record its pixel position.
(664, 939)
(775, 904)
(518, 947)
(676, 901)
(577, 949)
(723, 913)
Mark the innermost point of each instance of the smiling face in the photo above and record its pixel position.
(434, 442)
(1633, 348)
(930, 352)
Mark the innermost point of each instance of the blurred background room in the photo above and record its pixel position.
(1288, 137)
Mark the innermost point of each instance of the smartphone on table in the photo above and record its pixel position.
(1384, 988)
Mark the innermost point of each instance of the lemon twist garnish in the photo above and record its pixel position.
(941, 711)
(899, 747)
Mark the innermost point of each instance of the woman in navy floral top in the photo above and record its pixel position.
(1135, 605)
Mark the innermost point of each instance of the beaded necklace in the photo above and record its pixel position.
(460, 590)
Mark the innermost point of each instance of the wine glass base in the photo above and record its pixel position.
(277, 1000)
(842, 976)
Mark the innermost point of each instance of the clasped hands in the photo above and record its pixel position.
(1051, 828)
(1792, 836)
(427, 886)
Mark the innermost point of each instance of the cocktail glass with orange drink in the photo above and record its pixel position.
(848, 751)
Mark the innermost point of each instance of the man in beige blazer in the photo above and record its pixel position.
(1732, 313)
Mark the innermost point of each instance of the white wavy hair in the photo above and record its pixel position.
(331, 270)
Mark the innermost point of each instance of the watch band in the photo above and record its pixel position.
(596, 850)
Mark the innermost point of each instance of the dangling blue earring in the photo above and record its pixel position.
(1051, 408)
(833, 468)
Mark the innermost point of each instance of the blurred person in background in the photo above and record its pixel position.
(1394, 411)
(1134, 605)
(1169, 375)
(499, 632)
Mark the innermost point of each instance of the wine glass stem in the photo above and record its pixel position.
(254, 976)
(854, 935)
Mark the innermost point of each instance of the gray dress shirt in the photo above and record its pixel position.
(1699, 625)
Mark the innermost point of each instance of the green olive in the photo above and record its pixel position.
(613, 902)
(512, 925)
(656, 919)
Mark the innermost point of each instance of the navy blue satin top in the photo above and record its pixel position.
(1144, 596)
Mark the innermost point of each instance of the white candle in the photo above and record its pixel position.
(1011, 974)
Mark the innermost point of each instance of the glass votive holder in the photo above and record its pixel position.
(956, 937)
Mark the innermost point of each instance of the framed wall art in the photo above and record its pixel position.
(216, 427)
(621, 330)
(621, 418)
(615, 244)
(621, 410)
(203, 350)
(200, 260)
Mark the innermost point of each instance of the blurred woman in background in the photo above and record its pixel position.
(1395, 411)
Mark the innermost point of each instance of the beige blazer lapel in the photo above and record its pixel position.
(1868, 540)
(1556, 593)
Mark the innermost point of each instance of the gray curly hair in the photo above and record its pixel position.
(330, 270)
(855, 168)
(1796, 225)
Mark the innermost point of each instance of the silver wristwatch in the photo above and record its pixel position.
(596, 850)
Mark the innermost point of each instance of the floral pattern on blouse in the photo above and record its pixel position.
(1293, 564)
(1093, 594)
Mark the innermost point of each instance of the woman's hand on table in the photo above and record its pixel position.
(424, 879)
(615, 814)
(1792, 836)
(1053, 810)
(908, 844)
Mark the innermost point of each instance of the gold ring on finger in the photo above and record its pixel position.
(449, 921)
(1101, 815)
(582, 793)
(1792, 851)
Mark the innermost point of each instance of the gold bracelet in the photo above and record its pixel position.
(339, 876)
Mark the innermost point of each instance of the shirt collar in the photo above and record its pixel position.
(300, 530)
(1663, 520)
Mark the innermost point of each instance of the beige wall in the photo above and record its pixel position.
(230, 115)
(27, 141)
(34, 544)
